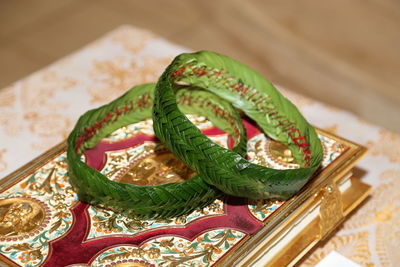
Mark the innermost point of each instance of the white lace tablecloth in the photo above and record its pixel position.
(38, 112)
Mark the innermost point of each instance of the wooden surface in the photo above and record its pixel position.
(343, 52)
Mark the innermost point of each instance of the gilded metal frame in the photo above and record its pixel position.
(312, 195)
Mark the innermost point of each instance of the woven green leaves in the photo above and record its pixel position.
(246, 90)
(214, 86)
(147, 202)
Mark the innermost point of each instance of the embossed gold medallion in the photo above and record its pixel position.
(280, 153)
(155, 168)
(20, 217)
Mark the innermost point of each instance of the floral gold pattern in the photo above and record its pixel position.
(39, 208)
(133, 41)
(118, 75)
(354, 246)
(331, 209)
(7, 97)
(107, 223)
(173, 251)
(384, 145)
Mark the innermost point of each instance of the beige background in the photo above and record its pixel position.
(343, 52)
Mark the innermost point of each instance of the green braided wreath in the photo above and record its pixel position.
(246, 90)
(146, 202)
(207, 84)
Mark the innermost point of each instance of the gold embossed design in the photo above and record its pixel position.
(157, 168)
(257, 157)
(331, 209)
(20, 216)
(281, 153)
(384, 146)
(44, 187)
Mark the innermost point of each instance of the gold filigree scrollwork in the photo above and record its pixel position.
(28, 250)
(331, 209)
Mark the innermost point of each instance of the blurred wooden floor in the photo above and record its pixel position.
(343, 52)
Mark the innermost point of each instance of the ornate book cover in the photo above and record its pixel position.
(43, 223)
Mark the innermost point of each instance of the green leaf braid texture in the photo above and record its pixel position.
(248, 91)
(147, 202)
